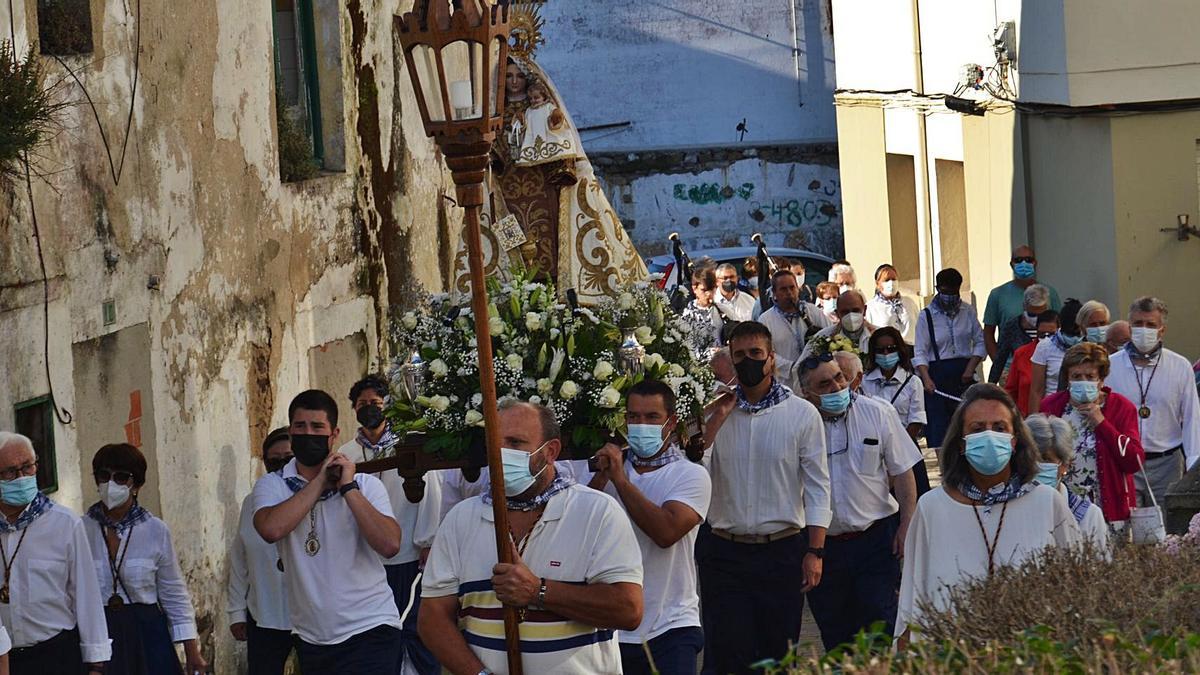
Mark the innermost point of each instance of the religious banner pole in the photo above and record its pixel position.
(456, 59)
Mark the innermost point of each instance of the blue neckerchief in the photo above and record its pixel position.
(1078, 505)
(40, 504)
(672, 454)
(374, 450)
(1061, 343)
(1134, 353)
(998, 494)
(777, 394)
(135, 515)
(896, 303)
(296, 484)
(559, 484)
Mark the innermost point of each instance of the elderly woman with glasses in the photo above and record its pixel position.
(989, 511)
(1056, 441)
(146, 598)
(1108, 447)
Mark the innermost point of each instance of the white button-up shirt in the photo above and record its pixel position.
(788, 337)
(342, 590)
(769, 471)
(958, 337)
(738, 308)
(255, 580)
(866, 446)
(52, 587)
(149, 572)
(1174, 408)
(908, 399)
(881, 313)
(418, 522)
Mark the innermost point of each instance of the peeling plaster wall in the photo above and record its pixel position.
(252, 277)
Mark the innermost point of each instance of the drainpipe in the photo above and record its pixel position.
(796, 52)
(924, 207)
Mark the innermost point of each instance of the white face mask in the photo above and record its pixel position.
(828, 305)
(1145, 339)
(112, 494)
(845, 287)
(852, 322)
(889, 287)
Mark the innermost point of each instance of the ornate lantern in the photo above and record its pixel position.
(413, 377)
(630, 354)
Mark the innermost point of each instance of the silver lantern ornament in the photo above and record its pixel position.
(630, 353)
(413, 377)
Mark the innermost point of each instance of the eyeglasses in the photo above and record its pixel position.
(887, 349)
(118, 477)
(1024, 259)
(814, 361)
(27, 469)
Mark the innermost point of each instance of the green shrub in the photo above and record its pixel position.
(27, 110)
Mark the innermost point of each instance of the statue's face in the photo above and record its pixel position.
(514, 81)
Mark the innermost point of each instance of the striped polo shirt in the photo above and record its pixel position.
(584, 537)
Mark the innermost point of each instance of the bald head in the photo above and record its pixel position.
(1118, 334)
(851, 301)
(1022, 251)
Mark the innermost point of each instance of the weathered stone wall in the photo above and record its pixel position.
(232, 291)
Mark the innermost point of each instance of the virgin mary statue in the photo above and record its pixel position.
(546, 208)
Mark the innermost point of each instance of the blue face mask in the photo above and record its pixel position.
(1083, 391)
(1097, 334)
(517, 476)
(1047, 474)
(837, 402)
(1024, 270)
(988, 452)
(1070, 340)
(18, 491)
(645, 440)
(887, 361)
(948, 303)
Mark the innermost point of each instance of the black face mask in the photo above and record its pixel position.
(370, 416)
(750, 371)
(310, 449)
(276, 464)
(728, 286)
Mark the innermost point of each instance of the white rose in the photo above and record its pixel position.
(609, 398)
(473, 418)
(625, 301)
(533, 321)
(535, 399)
(477, 400)
(495, 325)
(409, 320)
(568, 390)
(513, 361)
(439, 403)
(602, 371)
(545, 386)
(644, 335)
(675, 370)
(554, 333)
(653, 361)
(439, 368)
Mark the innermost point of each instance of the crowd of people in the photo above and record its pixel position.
(813, 487)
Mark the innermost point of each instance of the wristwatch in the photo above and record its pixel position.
(819, 552)
(540, 602)
(352, 485)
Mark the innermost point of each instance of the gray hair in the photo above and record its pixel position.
(1088, 309)
(1036, 295)
(840, 269)
(550, 428)
(1149, 303)
(8, 438)
(850, 365)
(726, 267)
(1054, 436)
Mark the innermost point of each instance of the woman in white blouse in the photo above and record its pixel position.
(888, 307)
(1055, 439)
(890, 378)
(146, 599)
(990, 511)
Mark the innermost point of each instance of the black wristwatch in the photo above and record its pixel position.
(352, 485)
(819, 552)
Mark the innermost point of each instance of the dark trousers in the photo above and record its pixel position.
(674, 652)
(860, 584)
(401, 578)
(947, 375)
(371, 652)
(267, 649)
(59, 655)
(141, 641)
(750, 598)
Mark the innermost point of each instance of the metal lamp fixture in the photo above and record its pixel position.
(457, 55)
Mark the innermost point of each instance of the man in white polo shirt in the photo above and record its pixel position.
(790, 321)
(868, 453)
(333, 528)
(770, 508)
(666, 497)
(577, 575)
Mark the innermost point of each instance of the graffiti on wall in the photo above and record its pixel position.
(818, 208)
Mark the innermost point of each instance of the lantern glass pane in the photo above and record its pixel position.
(425, 62)
(496, 78)
(459, 62)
